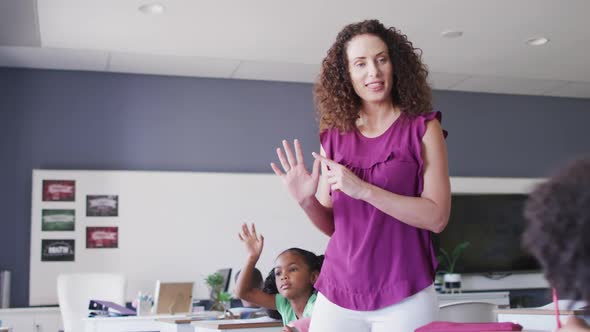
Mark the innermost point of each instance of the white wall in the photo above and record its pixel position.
(174, 226)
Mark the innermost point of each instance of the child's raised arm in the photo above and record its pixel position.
(244, 289)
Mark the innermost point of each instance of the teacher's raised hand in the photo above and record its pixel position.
(300, 183)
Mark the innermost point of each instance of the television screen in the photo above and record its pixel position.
(493, 224)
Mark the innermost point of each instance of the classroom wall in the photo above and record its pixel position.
(86, 120)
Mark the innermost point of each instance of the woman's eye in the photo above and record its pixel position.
(359, 64)
(382, 60)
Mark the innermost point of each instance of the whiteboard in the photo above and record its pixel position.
(172, 226)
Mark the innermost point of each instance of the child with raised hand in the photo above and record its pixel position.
(295, 272)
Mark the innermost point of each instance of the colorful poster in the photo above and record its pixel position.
(102, 237)
(59, 190)
(58, 220)
(102, 205)
(57, 250)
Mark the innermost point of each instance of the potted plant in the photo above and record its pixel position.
(218, 297)
(447, 263)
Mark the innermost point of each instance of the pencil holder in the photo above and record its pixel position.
(144, 307)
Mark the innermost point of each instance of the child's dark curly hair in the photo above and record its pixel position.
(558, 230)
(313, 261)
(270, 287)
(338, 105)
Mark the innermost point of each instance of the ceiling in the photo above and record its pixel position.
(278, 40)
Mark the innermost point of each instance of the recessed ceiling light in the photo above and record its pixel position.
(151, 9)
(537, 41)
(451, 34)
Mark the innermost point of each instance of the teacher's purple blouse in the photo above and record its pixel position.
(374, 260)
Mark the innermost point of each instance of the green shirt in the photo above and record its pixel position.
(285, 309)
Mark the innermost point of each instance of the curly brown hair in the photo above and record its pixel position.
(337, 104)
(558, 229)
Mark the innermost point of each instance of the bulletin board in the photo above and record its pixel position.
(169, 226)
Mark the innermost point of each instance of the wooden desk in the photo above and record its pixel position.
(538, 319)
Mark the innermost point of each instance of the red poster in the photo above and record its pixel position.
(102, 237)
(59, 190)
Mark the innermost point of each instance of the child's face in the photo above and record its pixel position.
(292, 276)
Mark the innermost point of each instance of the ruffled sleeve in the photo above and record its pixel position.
(326, 142)
(424, 118)
(418, 134)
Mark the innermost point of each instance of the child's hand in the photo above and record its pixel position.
(253, 242)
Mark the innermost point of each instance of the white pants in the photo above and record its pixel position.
(405, 316)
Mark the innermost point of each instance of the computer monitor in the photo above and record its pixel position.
(173, 297)
(226, 273)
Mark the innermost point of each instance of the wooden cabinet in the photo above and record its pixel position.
(35, 319)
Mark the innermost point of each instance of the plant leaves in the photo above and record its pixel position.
(214, 280)
(459, 249)
(224, 296)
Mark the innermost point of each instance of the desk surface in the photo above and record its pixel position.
(538, 311)
(535, 319)
(179, 323)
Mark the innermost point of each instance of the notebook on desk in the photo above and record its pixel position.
(110, 308)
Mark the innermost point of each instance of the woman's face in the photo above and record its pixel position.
(292, 276)
(370, 68)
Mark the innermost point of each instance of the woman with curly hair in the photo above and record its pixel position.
(558, 233)
(384, 185)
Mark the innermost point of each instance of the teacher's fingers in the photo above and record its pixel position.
(289, 152)
(315, 171)
(298, 152)
(328, 162)
(283, 159)
(276, 169)
(332, 180)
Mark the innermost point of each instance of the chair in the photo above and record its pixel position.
(74, 292)
(468, 312)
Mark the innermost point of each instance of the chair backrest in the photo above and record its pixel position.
(468, 312)
(74, 292)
